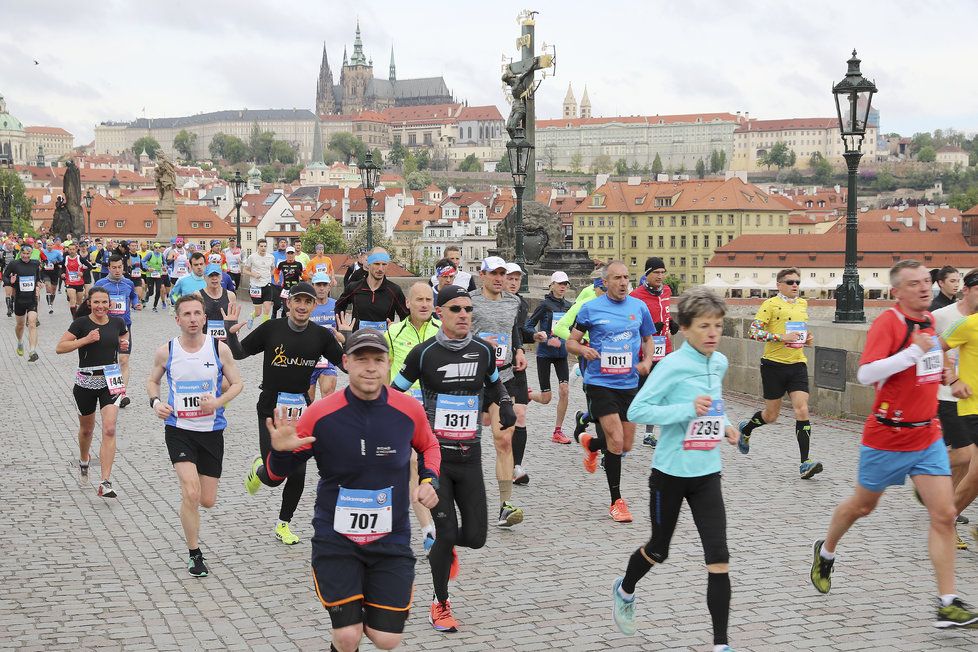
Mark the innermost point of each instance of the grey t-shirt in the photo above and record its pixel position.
(262, 266)
(498, 319)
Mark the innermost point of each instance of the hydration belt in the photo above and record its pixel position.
(903, 424)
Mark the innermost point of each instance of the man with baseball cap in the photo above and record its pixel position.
(376, 299)
(218, 302)
(289, 273)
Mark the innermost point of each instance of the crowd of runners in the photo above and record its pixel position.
(426, 372)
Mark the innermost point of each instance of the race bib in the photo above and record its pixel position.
(323, 363)
(557, 316)
(49, 265)
(379, 325)
(616, 358)
(705, 432)
(796, 327)
(325, 320)
(658, 347)
(74, 277)
(180, 269)
(294, 405)
(321, 267)
(930, 366)
(254, 292)
(187, 395)
(26, 283)
(113, 379)
(501, 348)
(363, 515)
(284, 294)
(456, 417)
(235, 268)
(117, 304)
(136, 272)
(216, 329)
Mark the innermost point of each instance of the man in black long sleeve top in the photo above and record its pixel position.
(376, 298)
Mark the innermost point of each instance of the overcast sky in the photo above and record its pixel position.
(110, 60)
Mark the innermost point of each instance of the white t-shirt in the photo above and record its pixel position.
(944, 318)
(262, 266)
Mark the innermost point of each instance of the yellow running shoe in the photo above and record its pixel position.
(252, 483)
(960, 543)
(285, 535)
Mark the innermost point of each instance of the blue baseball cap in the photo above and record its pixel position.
(213, 268)
(320, 277)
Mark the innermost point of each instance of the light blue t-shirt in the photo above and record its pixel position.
(325, 314)
(188, 285)
(615, 329)
(122, 296)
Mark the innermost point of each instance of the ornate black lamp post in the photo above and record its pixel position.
(369, 177)
(855, 93)
(518, 150)
(88, 209)
(238, 187)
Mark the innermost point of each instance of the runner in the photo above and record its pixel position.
(402, 337)
(948, 282)
(136, 270)
(233, 257)
(24, 277)
(684, 396)
(289, 273)
(453, 368)
(463, 279)
(216, 256)
(217, 303)
(99, 338)
(444, 276)
(196, 366)
(782, 323)
(53, 261)
(123, 297)
(193, 282)
(75, 269)
(323, 314)
(551, 351)
(278, 299)
(902, 436)
(259, 267)
(495, 321)
(619, 327)
(520, 391)
(320, 263)
(357, 271)
(291, 347)
(376, 300)
(178, 261)
(156, 278)
(363, 566)
(562, 329)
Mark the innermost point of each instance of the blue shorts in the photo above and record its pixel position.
(328, 370)
(881, 469)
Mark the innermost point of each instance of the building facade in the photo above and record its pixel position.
(753, 139)
(31, 145)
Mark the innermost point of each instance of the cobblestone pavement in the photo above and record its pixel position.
(80, 572)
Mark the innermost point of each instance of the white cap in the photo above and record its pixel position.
(290, 250)
(513, 268)
(559, 277)
(493, 263)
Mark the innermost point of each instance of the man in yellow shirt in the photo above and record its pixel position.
(782, 324)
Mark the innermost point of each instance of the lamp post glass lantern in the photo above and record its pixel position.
(369, 178)
(518, 150)
(855, 94)
(88, 209)
(238, 187)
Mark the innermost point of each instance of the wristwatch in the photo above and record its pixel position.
(152, 402)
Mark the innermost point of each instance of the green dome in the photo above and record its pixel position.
(7, 121)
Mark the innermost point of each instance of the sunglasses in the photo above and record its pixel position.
(792, 282)
(460, 308)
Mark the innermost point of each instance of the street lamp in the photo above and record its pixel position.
(238, 187)
(6, 197)
(854, 92)
(518, 151)
(369, 176)
(88, 208)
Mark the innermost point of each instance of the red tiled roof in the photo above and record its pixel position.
(413, 218)
(442, 113)
(480, 113)
(875, 221)
(700, 194)
(690, 118)
(971, 212)
(48, 131)
(946, 148)
(135, 217)
(786, 124)
(370, 116)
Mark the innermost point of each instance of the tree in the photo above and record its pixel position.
(470, 164)
(621, 167)
(723, 159)
(377, 157)
(964, 200)
(410, 164)
(601, 164)
(283, 152)
(20, 204)
(926, 154)
(550, 156)
(503, 165)
(822, 171)
(260, 144)
(418, 180)
(397, 154)
(779, 156)
(359, 239)
(657, 165)
(184, 143)
(331, 156)
(348, 145)
(920, 140)
(424, 159)
(814, 159)
(148, 143)
(885, 181)
(235, 150)
(700, 169)
(681, 169)
(673, 282)
(328, 233)
(576, 161)
(714, 161)
(292, 173)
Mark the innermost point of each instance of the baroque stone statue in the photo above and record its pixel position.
(166, 177)
(68, 214)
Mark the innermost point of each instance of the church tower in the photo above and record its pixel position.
(585, 105)
(355, 78)
(570, 104)
(325, 102)
(392, 75)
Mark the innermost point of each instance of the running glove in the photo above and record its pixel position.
(507, 416)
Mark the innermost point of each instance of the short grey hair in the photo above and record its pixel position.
(607, 268)
(895, 271)
(699, 302)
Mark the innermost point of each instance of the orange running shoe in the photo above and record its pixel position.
(559, 437)
(590, 457)
(619, 512)
(441, 617)
(453, 571)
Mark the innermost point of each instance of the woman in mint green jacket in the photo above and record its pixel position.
(684, 396)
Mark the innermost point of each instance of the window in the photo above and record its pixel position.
(682, 241)
(580, 222)
(682, 261)
(120, 223)
(770, 220)
(600, 242)
(101, 223)
(730, 220)
(148, 224)
(248, 237)
(696, 241)
(590, 242)
(634, 221)
(672, 261)
(650, 245)
(600, 221)
(207, 225)
(696, 220)
(427, 138)
(729, 237)
(634, 242)
(876, 274)
(597, 200)
(672, 241)
(719, 240)
(634, 262)
(811, 275)
(195, 225)
(662, 242)
(662, 221)
(682, 221)
(781, 220)
(672, 220)
(682, 277)
(611, 221)
(412, 139)
(611, 242)
(757, 220)
(580, 242)
(478, 230)
(706, 220)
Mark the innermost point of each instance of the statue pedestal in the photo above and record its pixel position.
(576, 263)
(166, 221)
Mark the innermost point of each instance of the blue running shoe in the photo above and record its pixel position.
(743, 444)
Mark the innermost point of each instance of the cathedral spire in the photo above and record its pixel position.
(570, 104)
(325, 102)
(393, 72)
(358, 57)
(344, 56)
(585, 104)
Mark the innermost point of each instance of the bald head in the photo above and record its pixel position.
(420, 301)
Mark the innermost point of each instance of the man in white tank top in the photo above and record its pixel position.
(196, 366)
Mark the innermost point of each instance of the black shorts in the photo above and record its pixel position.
(204, 449)
(705, 498)
(959, 431)
(778, 379)
(266, 295)
(602, 401)
(88, 400)
(75, 288)
(137, 281)
(166, 280)
(371, 584)
(543, 371)
(21, 309)
(87, 277)
(127, 352)
(517, 388)
(51, 276)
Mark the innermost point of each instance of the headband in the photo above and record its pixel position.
(379, 257)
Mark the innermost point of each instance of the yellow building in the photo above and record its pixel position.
(683, 222)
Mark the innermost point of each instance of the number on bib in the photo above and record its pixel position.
(796, 327)
(930, 366)
(254, 292)
(215, 328)
(658, 347)
(616, 358)
(364, 515)
(74, 277)
(26, 283)
(113, 379)
(294, 404)
(187, 395)
(456, 417)
(705, 432)
(502, 345)
(117, 304)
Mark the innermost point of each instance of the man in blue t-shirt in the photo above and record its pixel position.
(619, 328)
(122, 296)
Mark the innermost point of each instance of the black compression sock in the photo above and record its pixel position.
(597, 444)
(612, 469)
(195, 551)
(519, 444)
(10, 303)
(638, 566)
(803, 431)
(718, 601)
(755, 421)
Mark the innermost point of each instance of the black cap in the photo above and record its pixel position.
(653, 263)
(302, 288)
(446, 294)
(366, 338)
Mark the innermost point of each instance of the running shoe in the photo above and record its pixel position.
(821, 569)
(559, 437)
(105, 490)
(154, 309)
(252, 482)
(649, 440)
(32, 357)
(957, 614)
(124, 402)
(743, 444)
(441, 617)
(429, 541)
(580, 424)
(619, 511)
(285, 535)
(962, 519)
(590, 457)
(809, 468)
(520, 476)
(623, 610)
(51, 311)
(83, 468)
(960, 543)
(196, 565)
(453, 570)
(20, 349)
(509, 515)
